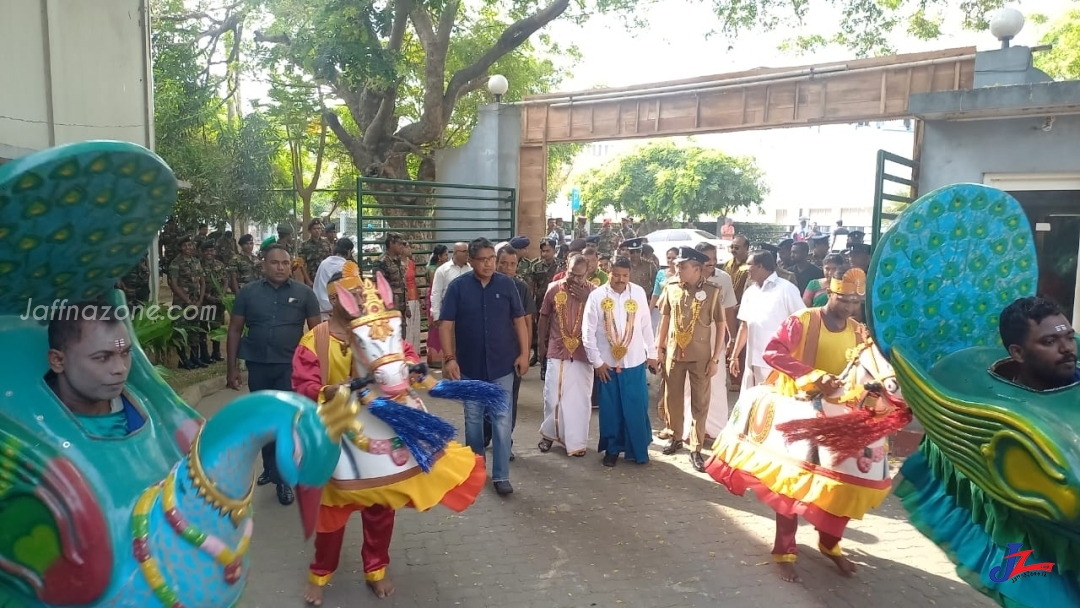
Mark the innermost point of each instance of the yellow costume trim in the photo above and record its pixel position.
(376, 576)
(319, 580)
(422, 491)
(787, 558)
(835, 551)
(807, 382)
(235, 508)
(783, 475)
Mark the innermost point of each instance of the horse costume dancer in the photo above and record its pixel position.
(397, 455)
(995, 481)
(812, 441)
(159, 517)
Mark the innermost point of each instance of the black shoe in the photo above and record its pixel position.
(264, 479)
(512, 455)
(610, 459)
(673, 446)
(697, 462)
(204, 354)
(285, 495)
(534, 361)
(195, 361)
(216, 355)
(503, 488)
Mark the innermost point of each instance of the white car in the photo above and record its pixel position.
(662, 240)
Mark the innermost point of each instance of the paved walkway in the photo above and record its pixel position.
(576, 534)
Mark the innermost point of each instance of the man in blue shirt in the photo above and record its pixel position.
(1041, 344)
(485, 337)
(89, 362)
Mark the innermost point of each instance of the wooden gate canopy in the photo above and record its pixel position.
(861, 90)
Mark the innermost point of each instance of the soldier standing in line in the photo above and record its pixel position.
(628, 231)
(330, 235)
(136, 283)
(244, 267)
(188, 288)
(226, 247)
(540, 276)
(581, 231)
(215, 277)
(642, 270)
(314, 250)
(609, 239)
(201, 234)
(393, 270)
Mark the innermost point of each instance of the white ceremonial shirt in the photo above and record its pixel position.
(764, 308)
(328, 268)
(443, 276)
(642, 344)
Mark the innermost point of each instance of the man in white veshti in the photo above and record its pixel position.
(718, 396)
(568, 381)
(618, 334)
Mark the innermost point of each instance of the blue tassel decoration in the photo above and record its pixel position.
(491, 395)
(424, 434)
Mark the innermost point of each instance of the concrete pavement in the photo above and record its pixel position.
(576, 534)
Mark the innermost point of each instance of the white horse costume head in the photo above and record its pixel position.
(376, 329)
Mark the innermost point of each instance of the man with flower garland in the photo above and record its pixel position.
(618, 334)
(568, 381)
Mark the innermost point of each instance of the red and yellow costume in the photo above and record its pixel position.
(455, 479)
(753, 456)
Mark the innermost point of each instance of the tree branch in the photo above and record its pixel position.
(510, 39)
(272, 38)
(446, 23)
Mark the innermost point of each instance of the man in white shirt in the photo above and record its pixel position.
(767, 302)
(332, 265)
(718, 396)
(457, 265)
(618, 334)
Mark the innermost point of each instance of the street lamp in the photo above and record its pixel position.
(1006, 24)
(497, 86)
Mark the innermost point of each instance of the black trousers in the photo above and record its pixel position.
(270, 377)
(513, 412)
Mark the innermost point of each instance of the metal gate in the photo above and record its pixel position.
(881, 195)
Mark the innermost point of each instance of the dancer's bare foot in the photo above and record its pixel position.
(313, 594)
(788, 572)
(843, 564)
(383, 588)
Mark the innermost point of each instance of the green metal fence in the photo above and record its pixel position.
(444, 213)
(880, 195)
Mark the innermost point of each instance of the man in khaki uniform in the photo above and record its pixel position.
(642, 271)
(690, 342)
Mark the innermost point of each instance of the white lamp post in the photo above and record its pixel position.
(497, 86)
(1006, 24)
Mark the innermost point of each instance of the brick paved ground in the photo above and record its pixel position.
(576, 534)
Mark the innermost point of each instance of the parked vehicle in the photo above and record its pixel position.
(662, 240)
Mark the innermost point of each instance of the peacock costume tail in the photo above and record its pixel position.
(995, 482)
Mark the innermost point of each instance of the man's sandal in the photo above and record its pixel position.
(544, 445)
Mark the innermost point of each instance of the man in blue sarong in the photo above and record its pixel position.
(618, 334)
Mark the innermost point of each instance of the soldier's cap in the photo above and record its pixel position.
(607, 221)
(592, 238)
(520, 242)
(184, 239)
(633, 244)
(785, 243)
(284, 229)
(314, 222)
(766, 247)
(820, 239)
(550, 242)
(689, 254)
(247, 238)
(331, 227)
(207, 244)
(228, 234)
(578, 245)
(859, 248)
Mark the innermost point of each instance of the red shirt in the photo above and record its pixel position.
(411, 293)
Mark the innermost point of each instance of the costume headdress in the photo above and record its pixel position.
(853, 283)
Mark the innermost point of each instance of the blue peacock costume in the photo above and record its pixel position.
(996, 481)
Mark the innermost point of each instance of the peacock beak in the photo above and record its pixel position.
(308, 499)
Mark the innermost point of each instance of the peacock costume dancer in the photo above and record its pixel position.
(395, 455)
(149, 505)
(996, 480)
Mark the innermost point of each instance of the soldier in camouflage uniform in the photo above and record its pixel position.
(188, 287)
(330, 235)
(226, 247)
(216, 278)
(609, 239)
(201, 235)
(315, 249)
(628, 231)
(244, 267)
(136, 283)
(541, 273)
(581, 231)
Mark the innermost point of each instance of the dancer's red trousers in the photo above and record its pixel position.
(785, 548)
(378, 524)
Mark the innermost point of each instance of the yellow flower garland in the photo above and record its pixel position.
(619, 345)
(685, 335)
(572, 340)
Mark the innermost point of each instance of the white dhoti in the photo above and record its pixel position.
(568, 403)
(755, 375)
(718, 406)
(412, 327)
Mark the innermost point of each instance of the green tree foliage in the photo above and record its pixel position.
(665, 182)
(1063, 61)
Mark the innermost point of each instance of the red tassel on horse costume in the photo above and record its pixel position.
(846, 435)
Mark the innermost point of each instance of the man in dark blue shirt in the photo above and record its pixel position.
(485, 337)
(274, 309)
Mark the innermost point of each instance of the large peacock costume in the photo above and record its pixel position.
(996, 481)
(161, 517)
